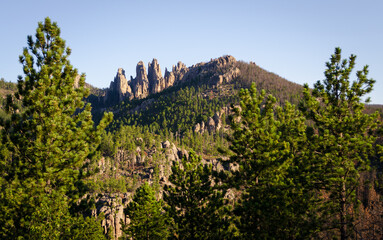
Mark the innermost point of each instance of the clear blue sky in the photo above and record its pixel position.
(293, 38)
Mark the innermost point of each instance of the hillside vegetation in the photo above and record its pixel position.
(219, 150)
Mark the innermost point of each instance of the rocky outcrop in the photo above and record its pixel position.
(210, 125)
(120, 86)
(140, 84)
(216, 71)
(138, 164)
(112, 207)
(217, 121)
(179, 71)
(156, 81)
(76, 83)
(214, 123)
(169, 78)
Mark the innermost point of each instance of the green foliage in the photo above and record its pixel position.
(7, 85)
(194, 203)
(174, 112)
(45, 145)
(148, 220)
(52, 220)
(269, 145)
(341, 139)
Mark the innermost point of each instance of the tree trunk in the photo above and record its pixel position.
(343, 227)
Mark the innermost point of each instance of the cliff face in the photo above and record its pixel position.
(156, 81)
(140, 84)
(221, 70)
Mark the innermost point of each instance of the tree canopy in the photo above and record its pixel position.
(48, 143)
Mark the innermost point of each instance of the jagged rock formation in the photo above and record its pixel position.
(156, 81)
(179, 71)
(119, 87)
(214, 123)
(219, 70)
(112, 206)
(140, 84)
(135, 163)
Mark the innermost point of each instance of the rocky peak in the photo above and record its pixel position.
(219, 70)
(169, 78)
(121, 85)
(179, 71)
(140, 85)
(156, 81)
(225, 60)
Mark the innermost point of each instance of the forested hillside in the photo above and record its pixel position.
(218, 150)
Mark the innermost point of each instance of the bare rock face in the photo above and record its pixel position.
(121, 85)
(225, 60)
(217, 121)
(169, 78)
(156, 81)
(197, 128)
(119, 88)
(202, 127)
(112, 206)
(218, 71)
(140, 85)
(210, 124)
(77, 81)
(224, 64)
(179, 71)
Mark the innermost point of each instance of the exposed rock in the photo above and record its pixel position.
(156, 81)
(218, 71)
(210, 124)
(112, 206)
(140, 85)
(140, 157)
(172, 152)
(119, 88)
(202, 127)
(217, 121)
(123, 89)
(225, 60)
(179, 71)
(76, 81)
(183, 153)
(197, 128)
(166, 144)
(169, 78)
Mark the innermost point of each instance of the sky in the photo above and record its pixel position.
(292, 38)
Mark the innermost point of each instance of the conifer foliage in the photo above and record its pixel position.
(268, 143)
(46, 143)
(341, 141)
(195, 204)
(148, 220)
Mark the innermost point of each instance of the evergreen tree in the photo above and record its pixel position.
(341, 139)
(47, 143)
(269, 145)
(148, 220)
(194, 203)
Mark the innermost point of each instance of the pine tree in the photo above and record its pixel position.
(193, 202)
(148, 220)
(341, 139)
(268, 143)
(48, 141)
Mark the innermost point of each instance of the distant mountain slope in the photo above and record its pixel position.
(184, 97)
